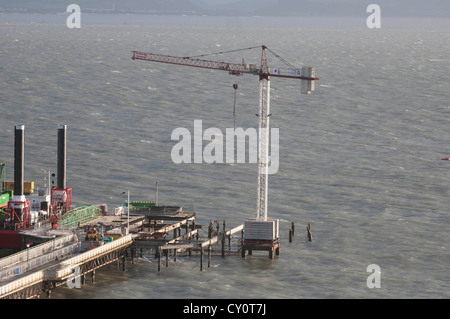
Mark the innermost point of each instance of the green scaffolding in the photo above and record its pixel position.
(78, 216)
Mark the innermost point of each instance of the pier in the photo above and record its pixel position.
(65, 256)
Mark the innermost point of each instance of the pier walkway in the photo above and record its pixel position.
(64, 256)
(45, 272)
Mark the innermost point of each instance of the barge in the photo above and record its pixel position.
(24, 207)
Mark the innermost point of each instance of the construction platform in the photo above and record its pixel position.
(262, 245)
(62, 256)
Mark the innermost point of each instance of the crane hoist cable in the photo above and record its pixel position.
(281, 59)
(222, 52)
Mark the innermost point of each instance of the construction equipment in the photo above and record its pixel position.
(61, 195)
(93, 232)
(5, 194)
(306, 75)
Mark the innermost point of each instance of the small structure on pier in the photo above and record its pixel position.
(261, 235)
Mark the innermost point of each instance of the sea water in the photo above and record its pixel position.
(359, 159)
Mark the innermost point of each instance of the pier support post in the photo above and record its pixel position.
(93, 276)
(209, 256)
(308, 229)
(167, 257)
(201, 259)
(210, 229)
(158, 253)
(242, 244)
(196, 236)
(223, 239)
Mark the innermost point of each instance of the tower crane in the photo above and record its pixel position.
(265, 73)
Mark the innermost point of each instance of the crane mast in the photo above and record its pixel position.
(263, 140)
(306, 74)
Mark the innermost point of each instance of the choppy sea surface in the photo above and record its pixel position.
(360, 158)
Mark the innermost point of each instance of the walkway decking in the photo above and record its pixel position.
(64, 257)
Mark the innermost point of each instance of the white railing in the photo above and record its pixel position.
(66, 267)
(34, 252)
(22, 282)
(22, 267)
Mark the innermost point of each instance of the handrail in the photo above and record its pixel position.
(67, 265)
(79, 215)
(36, 251)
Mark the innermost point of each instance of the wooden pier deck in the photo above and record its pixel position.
(63, 257)
(51, 270)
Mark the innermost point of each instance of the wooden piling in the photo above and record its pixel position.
(201, 259)
(309, 233)
(209, 256)
(242, 244)
(167, 257)
(158, 253)
(223, 239)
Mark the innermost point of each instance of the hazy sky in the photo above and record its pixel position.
(405, 8)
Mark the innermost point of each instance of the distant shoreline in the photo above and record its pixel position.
(187, 20)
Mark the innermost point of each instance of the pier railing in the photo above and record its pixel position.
(16, 285)
(34, 252)
(33, 263)
(79, 215)
(66, 266)
(63, 269)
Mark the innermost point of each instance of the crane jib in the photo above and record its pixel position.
(305, 74)
(232, 68)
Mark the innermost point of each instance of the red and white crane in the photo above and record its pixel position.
(306, 75)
